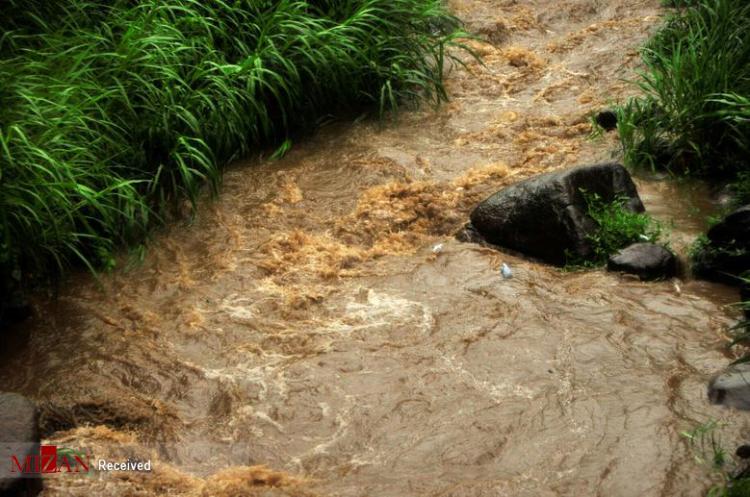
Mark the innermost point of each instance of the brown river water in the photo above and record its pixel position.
(301, 338)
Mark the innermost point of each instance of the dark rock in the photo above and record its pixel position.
(721, 265)
(647, 260)
(607, 119)
(725, 255)
(732, 387)
(546, 216)
(19, 436)
(743, 452)
(735, 228)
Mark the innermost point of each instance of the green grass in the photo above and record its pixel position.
(617, 227)
(112, 111)
(740, 332)
(679, 3)
(728, 473)
(694, 112)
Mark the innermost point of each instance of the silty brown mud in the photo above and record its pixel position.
(301, 338)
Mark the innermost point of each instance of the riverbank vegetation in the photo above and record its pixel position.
(113, 111)
(693, 114)
(618, 227)
(730, 472)
(693, 118)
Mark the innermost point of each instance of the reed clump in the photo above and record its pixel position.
(110, 111)
(693, 115)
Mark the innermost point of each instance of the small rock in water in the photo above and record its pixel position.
(506, 271)
(607, 120)
(648, 261)
(743, 452)
(732, 387)
(437, 249)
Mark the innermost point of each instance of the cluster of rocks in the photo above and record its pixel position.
(732, 387)
(724, 256)
(546, 217)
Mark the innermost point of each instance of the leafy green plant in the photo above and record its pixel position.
(698, 246)
(112, 111)
(740, 332)
(617, 227)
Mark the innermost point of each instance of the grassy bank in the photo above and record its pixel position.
(693, 115)
(110, 111)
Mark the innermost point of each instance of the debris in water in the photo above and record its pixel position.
(522, 57)
(506, 271)
(437, 249)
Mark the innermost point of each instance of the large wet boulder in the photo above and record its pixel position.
(546, 216)
(732, 387)
(724, 255)
(648, 261)
(19, 437)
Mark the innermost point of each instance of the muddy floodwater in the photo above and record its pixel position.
(302, 338)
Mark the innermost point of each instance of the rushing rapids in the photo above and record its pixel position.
(303, 338)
